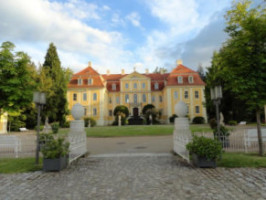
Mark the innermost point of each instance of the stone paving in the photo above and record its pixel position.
(136, 177)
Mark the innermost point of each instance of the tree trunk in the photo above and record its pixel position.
(259, 132)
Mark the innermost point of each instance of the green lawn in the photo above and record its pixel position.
(18, 165)
(145, 130)
(241, 160)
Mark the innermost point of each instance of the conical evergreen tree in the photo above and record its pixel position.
(56, 104)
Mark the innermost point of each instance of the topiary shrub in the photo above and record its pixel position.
(198, 120)
(121, 109)
(147, 107)
(172, 118)
(55, 127)
(92, 121)
(232, 122)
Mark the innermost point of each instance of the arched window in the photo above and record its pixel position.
(126, 98)
(135, 98)
(144, 97)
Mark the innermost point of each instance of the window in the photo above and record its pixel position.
(153, 98)
(176, 94)
(110, 99)
(110, 113)
(84, 96)
(135, 98)
(180, 79)
(156, 86)
(117, 100)
(75, 97)
(190, 79)
(135, 85)
(79, 81)
(90, 81)
(186, 94)
(85, 111)
(143, 85)
(196, 94)
(161, 98)
(144, 97)
(126, 98)
(113, 86)
(126, 85)
(94, 97)
(197, 109)
(94, 111)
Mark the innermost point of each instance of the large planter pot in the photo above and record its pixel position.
(55, 164)
(203, 162)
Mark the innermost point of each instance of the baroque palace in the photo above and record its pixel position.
(101, 93)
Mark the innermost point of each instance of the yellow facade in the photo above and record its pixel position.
(135, 91)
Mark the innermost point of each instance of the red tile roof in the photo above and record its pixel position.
(167, 79)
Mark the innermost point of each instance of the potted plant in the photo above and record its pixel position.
(205, 151)
(55, 154)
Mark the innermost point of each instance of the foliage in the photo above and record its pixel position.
(232, 122)
(223, 131)
(16, 82)
(53, 81)
(159, 70)
(66, 124)
(205, 147)
(55, 147)
(124, 120)
(92, 121)
(121, 109)
(41, 127)
(172, 118)
(241, 160)
(55, 127)
(147, 107)
(213, 123)
(18, 165)
(156, 114)
(198, 120)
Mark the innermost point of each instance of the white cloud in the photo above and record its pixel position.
(40, 21)
(134, 18)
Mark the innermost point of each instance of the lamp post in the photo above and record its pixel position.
(40, 100)
(216, 96)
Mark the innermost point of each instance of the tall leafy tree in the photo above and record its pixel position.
(54, 81)
(16, 81)
(243, 57)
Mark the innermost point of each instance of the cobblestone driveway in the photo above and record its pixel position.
(143, 176)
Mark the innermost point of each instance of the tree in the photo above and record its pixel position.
(201, 72)
(54, 83)
(16, 81)
(159, 70)
(121, 109)
(243, 57)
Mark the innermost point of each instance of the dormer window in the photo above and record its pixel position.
(90, 81)
(113, 86)
(156, 86)
(79, 81)
(190, 79)
(180, 79)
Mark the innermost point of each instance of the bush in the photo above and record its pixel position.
(41, 127)
(213, 123)
(198, 120)
(92, 121)
(55, 147)
(156, 114)
(223, 131)
(172, 118)
(147, 107)
(55, 127)
(232, 122)
(66, 124)
(205, 147)
(121, 109)
(123, 119)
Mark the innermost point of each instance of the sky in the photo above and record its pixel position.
(116, 34)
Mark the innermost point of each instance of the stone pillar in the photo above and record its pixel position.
(77, 135)
(182, 134)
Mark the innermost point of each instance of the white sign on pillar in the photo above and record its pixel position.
(182, 134)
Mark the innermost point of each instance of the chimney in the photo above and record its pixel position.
(108, 72)
(147, 71)
(123, 71)
(89, 64)
(179, 62)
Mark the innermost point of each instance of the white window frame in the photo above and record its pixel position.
(94, 111)
(84, 95)
(144, 99)
(180, 79)
(186, 94)
(197, 109)
(94, 96)
(196, 94)
(156, 86)
(143, 85)
(175, 94)
(75, 97)
(113, 86)
(190, 79)
(126, 85)
(80, 81)
(135, 85)
(126, 98)
(117, 100)
(153, 99)
(90, 81)
(135, 98)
